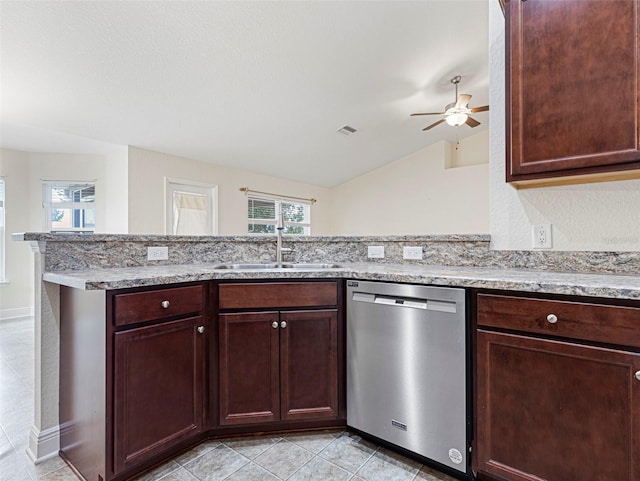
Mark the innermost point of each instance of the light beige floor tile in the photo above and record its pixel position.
(62, 474)
(348, 451)
(196, 452)
(46, 467)
(216, 464)
(12, 469)
(251, 472)
(385, 465)
(430, 474)
(314, 442)
(320, 470)
(180, 474)
(252, 447)
(283, 459)
(159, 472)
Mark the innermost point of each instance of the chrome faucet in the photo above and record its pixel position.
(279, 249)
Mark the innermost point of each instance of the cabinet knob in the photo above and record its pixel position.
(200, 329)
(552, 318)
(638, 375)
(165, 304)
(283, 324)
(274, 324)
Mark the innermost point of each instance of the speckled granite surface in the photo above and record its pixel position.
(109, 261)
(596, 285)
(64, 252)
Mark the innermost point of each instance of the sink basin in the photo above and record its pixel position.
(246, 266)
(303, 265)
(273, 265)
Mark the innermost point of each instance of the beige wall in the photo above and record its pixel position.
(16, 297)
(116, 179)
(436, 190)
(147, 170)
(24, 172)
(597, 217)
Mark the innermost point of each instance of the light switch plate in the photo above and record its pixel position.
(157, 253)
(375, 252)
(409, 252)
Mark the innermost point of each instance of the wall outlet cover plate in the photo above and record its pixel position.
(157, 253)
(375, 252)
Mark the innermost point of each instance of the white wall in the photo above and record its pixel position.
(147, 170)
(436, 190)
(16, 297)
(116, 179)
(603, 216)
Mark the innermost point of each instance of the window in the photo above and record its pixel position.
(2, 197)
(263, 216)
(191, 208)
(69, 206)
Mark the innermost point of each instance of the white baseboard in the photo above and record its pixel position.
(44, 444)
(16, 313)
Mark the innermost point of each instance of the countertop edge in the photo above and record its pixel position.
(580, 284)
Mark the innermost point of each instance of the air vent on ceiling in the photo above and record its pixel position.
(347, 130)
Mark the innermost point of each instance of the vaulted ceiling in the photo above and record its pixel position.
(257, 85)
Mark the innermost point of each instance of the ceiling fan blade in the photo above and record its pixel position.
(427, 113)
(472, 122)
(434, 124)
(484, 108)
(463, 101)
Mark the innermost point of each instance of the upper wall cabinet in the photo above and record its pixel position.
(572, 91)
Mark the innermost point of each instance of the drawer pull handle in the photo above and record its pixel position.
(165, 304)
(638, 375)
(274, 324)
(283, 324)
(552, 318)
(201, 329)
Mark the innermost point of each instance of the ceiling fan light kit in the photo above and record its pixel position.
(457, 112)
(456, 119)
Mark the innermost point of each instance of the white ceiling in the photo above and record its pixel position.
(252, 84)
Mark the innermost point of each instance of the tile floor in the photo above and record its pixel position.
(324, 456)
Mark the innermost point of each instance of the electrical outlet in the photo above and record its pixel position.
(411, 252)
(157, 253)
(375, 252)
(542, 236)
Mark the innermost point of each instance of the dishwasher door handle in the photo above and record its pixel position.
(397, 301)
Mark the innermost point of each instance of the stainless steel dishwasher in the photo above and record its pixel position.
(406, 368)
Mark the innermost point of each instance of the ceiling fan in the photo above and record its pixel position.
(457, 112)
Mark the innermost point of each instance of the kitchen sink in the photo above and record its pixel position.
(273, 265)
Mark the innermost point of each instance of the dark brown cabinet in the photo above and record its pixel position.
(132, 377)
(143, 376)
(553, 408)
(573, 105)
(279, 365)
(158, 389)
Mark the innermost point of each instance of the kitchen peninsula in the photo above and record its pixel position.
(104, 267)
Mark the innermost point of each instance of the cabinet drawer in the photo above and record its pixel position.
(158, 304)
(575, 320)
(278, 294)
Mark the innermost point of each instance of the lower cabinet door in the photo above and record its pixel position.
(249, 368)
(309, 364)
(556, 411)
(158, 389)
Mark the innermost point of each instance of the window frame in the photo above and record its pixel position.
(172, 184)
(3, 201)
(278, 201)
(48, 206)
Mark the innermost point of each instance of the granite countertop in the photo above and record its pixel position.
(528, 280)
